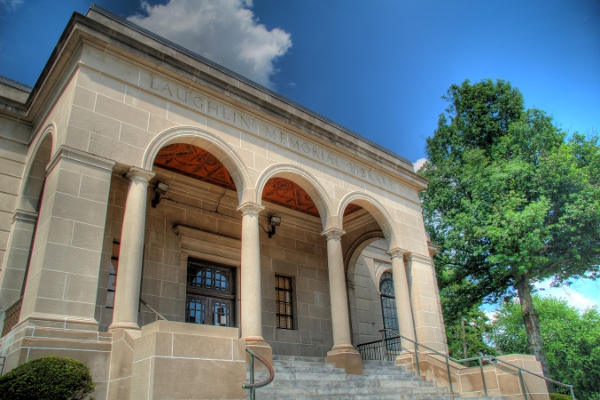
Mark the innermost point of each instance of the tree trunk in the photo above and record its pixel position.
(532, 327)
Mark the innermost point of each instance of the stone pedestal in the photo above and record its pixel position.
(186, 361)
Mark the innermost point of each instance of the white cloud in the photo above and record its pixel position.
(572, 294)
(419, 163)
(224, 31)
(10, 4)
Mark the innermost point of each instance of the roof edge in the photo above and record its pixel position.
(16, 85)
(243, 79)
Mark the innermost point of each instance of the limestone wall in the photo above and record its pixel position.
(297, 250)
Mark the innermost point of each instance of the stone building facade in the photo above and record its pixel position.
(141, 181)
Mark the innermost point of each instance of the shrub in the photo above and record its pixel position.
(559, 396)
(47, 378)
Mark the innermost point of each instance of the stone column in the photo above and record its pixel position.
(425, 299)
(129, 275)
(402, 293)
(251, 293)
(343, 354)
(14, 267)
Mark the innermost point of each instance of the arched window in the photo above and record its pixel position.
(388, 303)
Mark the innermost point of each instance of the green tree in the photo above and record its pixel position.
(571, 340)
(509, 202)
(467, 334)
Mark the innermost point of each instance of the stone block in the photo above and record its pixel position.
(99, 83)
(122, 112)
(90, 121)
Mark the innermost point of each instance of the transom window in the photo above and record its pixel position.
(210, 295)
(284, 302)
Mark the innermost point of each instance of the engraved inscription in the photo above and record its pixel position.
(248, 123)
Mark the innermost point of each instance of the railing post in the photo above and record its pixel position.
(449, 375)
(483, 377)
(417, 358)
(523, 384)
(252, 389)
(572, 394)
(384, 348)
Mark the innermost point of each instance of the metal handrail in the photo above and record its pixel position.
(149, 307)
(251, 386)
(2, 362)
(480, 360)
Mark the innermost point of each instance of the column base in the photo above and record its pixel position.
(262, 348)
(123, 325)
(345, 357)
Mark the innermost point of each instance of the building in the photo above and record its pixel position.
(142, 181)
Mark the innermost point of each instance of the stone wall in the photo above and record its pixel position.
(297, 250)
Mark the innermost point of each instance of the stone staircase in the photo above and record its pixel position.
(312, 378)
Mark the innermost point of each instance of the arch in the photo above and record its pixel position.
(376, 209)
(209, 142)
(356, 248)
(306, 181)
(35, 173)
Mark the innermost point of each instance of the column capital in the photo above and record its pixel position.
(24, 215)
(333, 233)
(398, 252)
(420, 258)
(140, 175)
(250, 208)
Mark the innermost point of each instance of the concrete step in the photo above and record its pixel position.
(312, 378)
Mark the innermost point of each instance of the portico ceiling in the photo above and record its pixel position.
(200, 164)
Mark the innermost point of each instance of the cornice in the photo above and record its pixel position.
(80, 156)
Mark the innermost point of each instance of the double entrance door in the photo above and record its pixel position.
(210, 294)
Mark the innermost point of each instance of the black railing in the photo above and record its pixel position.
(11, 316)
(251, 386)
(376, 350)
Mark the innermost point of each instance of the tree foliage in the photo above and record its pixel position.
(509, 201)
(571, 340)
(468, 333)
(47, 378)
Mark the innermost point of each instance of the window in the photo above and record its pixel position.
(112, 275)
(284, 302)
(388, 303)
(210, 295)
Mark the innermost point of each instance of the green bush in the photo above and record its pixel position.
(47, 378)
(558, 396)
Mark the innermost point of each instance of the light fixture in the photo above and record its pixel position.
(159, 188)
(274, 221)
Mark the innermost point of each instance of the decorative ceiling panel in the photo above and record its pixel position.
(198, 163)
(289, 194)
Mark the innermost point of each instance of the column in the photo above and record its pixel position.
(425, 299)
(343, 354)
(129, 275)
(402, 293)
(250, 291)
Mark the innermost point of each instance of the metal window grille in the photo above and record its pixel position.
(388, 303)
(284, 302)
(112, 275)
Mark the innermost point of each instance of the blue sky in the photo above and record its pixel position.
(377, 67)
